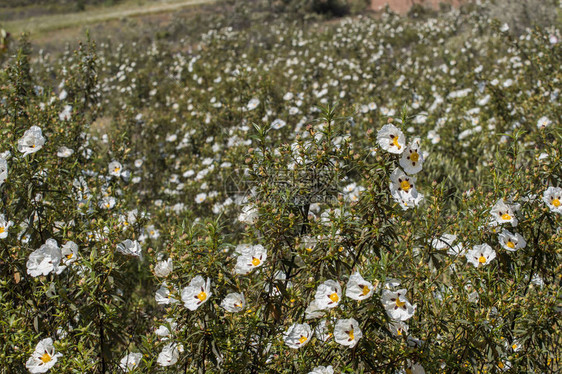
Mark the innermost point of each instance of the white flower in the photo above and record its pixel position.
(4, 226)
(163, 268)
(504, 365)
(107, 202)
(446, 241)
(391, 139)
(313, 311)
(45, 259)
(297, 335)
(115, 168)
(328, 294)
(130, 248)
(480, 255)
(405, 200)
(152, 232)
(69, 252)
(66, 113)
(414, 368)
(322, 370)
(412, 158)
(3, 170)
(278, 124)
(398, 328)
(516, 345)
(553, 199)
(510, 241)
(397, 305)
(504, 27)
(32, 141)
(130, 361)
(164, 295)
(43, 358)
(169, 355)
(308, 243)
(503, 213)
(543, 122)
(252, 258)
(65, 152)
(358, 288)
(163, 331)
(200, 197)
(234, 302)
(196, 293)
(249, 215)
(399, 181)
(253, 104)
(347, 332)
(537, 280)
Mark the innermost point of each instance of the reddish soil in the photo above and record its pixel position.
(402, 6)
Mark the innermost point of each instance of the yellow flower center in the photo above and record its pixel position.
(414, 156)
(202, 296)
(256, 261)
(309, 249)
(116, 170)
(405, 185)
(506, 217)
(399, 332)
(409, 371)
(395, 142)
(69, 256)
(556, 202)
(501, 365)
(33, 146)
(399, 303)
(351, 335)
(364, 290)
(303, 339)
(510, 244)
(334, 297)
(514, 346)
(2, 229)
(482, 260)
(45, 358)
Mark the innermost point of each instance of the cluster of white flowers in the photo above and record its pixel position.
(249, 258)
(402, 183)
(49, 256)
(332, 79)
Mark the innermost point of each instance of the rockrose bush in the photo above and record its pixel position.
(373, 195)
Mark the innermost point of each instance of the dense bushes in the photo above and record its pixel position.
(203, 205)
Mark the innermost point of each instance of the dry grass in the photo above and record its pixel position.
(35, 26)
